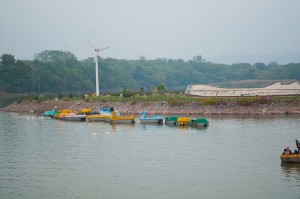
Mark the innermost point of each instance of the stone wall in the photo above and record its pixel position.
(157, 107)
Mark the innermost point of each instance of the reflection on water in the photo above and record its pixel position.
(291, 171)
(114, 126)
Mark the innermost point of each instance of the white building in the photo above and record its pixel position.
(273, 89)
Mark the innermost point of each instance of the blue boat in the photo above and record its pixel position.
(158, 119)
(106, 110)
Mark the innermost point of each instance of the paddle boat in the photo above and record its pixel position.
(86, 111)
(105, 115)
(158, 119)
(121, 119)
(199, 122)
(50, 113)
(171, 120)
(106, 110)
(63, 114)
(75, 117)
(98, 118)
(182, 121)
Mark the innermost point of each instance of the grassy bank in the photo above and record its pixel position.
(177, 100)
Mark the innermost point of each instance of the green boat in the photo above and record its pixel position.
(171, 120)
(199, 122)
(187, 121)
(182, 121)
(50, 113)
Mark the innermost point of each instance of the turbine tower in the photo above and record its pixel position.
(97, 50)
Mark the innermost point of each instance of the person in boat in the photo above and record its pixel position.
(287, 151)
(298, 147)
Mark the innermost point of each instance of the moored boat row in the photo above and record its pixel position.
(108, 114)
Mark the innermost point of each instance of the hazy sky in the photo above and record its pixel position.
(176, 29)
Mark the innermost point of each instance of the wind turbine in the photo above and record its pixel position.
(97, 50)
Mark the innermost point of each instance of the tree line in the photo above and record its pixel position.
(54, 71)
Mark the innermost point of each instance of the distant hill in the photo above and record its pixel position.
(254, 58)
(61, 72)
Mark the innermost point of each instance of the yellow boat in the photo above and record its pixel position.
(63, 114)
(86, 111)
(182, 121)
(294, 158)
(121, 119)
(288, 156)
(97, 117)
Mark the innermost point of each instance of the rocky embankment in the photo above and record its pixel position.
(157, 107)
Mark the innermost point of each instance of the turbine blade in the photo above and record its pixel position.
(103, 48)
(92, 45)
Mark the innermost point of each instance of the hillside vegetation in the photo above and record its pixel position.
(61, 72)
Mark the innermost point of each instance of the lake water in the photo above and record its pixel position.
(235, 157)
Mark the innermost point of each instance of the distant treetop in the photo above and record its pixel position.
(55, 56)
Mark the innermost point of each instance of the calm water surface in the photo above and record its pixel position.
(236, 157)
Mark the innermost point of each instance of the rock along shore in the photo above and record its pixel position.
(154, 108)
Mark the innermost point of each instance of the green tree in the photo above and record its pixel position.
(7, 59)
(260, 66)
(55, 56)
(160, 89)
(198, 58)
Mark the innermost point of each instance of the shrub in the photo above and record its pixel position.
(41, 98)
(209, 101)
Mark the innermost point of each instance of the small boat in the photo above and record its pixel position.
(98, 117)
(182, 121)
(75, 117)
(199, 122)
(105, 115)
(291, 158)
(121, 119)
(288, 157)
(158, 119)
(86, 111)
(63, 113)
(50, 113)
(171, 120)
(106, 110)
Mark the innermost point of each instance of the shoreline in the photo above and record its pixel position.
(155, 108)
